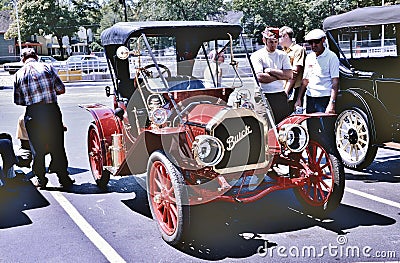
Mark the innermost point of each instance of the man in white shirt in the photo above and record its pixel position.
(321, 85)
(273, 68)
(321, 76)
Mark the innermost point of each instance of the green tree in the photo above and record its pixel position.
(259, 14)
(43, 17)
(172, 9)
(88, 15)
(5, 5)
(87, 12)
(301, 15)
(151, 10)
(49, 17)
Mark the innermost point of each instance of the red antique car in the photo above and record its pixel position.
(188, 121)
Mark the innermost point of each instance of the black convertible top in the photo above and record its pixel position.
(202, 31)
(367, 16)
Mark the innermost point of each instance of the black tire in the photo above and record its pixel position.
(96, 156)
(102, 183)
(171, 212)
(354, 139)
(324, 189)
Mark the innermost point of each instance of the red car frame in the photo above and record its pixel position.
(189, 123)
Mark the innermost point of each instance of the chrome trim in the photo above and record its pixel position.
(220, 146)
(284, 137)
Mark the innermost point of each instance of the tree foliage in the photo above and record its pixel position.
(86, 12)
(301, 15)
(49, 17)
(43, 17)
(5, 5)
(63, 17)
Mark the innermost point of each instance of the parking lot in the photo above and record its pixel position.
(88, 225)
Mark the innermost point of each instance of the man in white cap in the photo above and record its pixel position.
(320, 81)
(321, 75)
(273, 68)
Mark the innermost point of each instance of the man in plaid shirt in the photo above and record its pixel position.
(36, 86)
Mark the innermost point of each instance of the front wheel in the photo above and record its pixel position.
(96, 155)
(168, 198)
(354, 139)
(325, 175)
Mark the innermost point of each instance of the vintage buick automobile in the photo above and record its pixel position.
(367, 42)
(195, 133)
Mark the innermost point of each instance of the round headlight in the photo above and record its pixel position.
(293, 137)
(122, 52)
(207, 150)
(159, 116)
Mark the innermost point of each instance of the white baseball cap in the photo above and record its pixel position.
(315, 34)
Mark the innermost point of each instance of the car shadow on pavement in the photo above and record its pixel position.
(18, 196)
(220, 230)
(117, 184)
(382, 169)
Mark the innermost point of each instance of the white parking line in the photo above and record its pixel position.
(87, 229)
(373, 197)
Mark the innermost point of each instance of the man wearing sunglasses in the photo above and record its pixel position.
(272, 67)
(320, 82)
(321, 76)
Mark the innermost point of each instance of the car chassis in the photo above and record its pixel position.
(200, 140)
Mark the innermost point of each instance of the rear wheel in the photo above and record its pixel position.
(326, 178)
(167, 197)
(354, 139)
(96, 157)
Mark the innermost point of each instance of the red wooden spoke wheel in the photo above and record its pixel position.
(167, 197)
(96, 155)
(324, 188)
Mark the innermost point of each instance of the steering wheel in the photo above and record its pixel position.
(153, 73)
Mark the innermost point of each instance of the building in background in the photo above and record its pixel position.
(8, 50)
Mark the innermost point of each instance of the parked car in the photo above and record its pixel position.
(368, 105)
(100, 55)
(13, 67)
(199, 139)
(86, 63)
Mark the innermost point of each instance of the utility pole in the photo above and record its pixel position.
(15, 3)
(383, 32)
(124, 3)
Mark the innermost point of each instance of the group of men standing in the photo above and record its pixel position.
(286, 75)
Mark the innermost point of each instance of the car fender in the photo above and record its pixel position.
(106, 123)
(373, 108)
